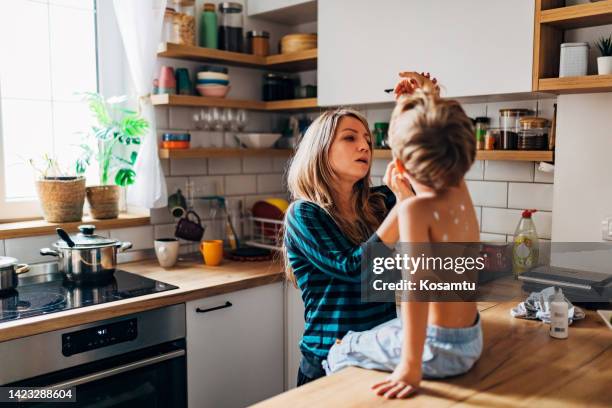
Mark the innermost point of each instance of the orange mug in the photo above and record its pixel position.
(212, 251)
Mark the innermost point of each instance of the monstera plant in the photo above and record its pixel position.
(117, 134)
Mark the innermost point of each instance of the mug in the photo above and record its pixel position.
(212, 251)
(167, 250)
(190, 227)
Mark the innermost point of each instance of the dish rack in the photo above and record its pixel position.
(265, 233)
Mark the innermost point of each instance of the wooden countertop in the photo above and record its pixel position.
(521, 366)
(194, 280)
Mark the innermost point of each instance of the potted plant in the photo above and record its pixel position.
(116, 133)
(61, 196)
(604, 63)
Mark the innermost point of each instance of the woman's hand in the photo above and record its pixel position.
(397, 183)
(402, 383)
(411, 81)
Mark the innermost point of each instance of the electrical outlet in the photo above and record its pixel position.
(606, 229)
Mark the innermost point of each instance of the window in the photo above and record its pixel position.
(48, 55)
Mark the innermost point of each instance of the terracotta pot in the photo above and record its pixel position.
(62, 199)
(103, 201)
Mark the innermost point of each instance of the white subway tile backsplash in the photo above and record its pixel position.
(476, 172)
(224, 165)
(530, 195)
(165, 164)
(541, 176)
(486, 237)
(175, 183)
(161, 117)
(279, 164)
(161, 215)
(140, 237)
(2, 248)
(270, 183)
(26, 250)
(379, 166)
(488, 193)
(505, 221)
(242, 184)
(181, 118)
(258, 122)
(188, 167)
(208, 185)
(257, 165)
(508, 171)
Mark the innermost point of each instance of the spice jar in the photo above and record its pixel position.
(533, 134)
(492, 139)
(184, 22)
(230, 26)
(481, 126)
(258, 42)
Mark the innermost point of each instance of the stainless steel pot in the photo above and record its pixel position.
(86, 257)
(9, 269)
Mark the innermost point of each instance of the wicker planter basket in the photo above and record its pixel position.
(103, 201)
(61, 200)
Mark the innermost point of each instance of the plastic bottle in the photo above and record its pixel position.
(208, 26)
(558, 316)
(526, 245)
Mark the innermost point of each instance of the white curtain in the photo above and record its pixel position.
(140, 24)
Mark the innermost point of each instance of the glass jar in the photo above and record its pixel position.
(168, 27)
(533, 134)
(272, 87)
(258, 42)
(230, 26)
(184, 22)
(481, 125)
(208, 26)
(380, 133)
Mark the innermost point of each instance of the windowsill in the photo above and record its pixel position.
(41, 227)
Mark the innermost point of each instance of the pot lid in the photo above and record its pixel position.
(86, 238)
(7, 261)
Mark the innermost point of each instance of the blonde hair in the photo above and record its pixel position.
(310, 178)
(433, 138)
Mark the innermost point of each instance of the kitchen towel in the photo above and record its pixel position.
(537, 307)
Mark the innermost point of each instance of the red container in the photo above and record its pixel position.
(169, 144)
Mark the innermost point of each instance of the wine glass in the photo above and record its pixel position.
(230, 119)
(215, 119)
(241, 119)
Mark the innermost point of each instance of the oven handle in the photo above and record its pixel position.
(117, 370)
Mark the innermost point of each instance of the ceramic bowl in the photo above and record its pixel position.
(212, 82)
(258, 140)
(212, 75)
(216, 91)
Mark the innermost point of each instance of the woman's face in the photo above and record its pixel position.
(350, 154)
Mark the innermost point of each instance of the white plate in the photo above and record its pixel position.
(606, 315)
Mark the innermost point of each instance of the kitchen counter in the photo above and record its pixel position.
(521, 366)
(194, 280)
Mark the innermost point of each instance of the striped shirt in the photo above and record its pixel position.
(327, 267)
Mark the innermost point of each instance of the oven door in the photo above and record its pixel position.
(150, 378)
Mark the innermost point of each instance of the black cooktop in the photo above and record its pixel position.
(50, 292)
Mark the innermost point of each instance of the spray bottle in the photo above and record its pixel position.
(526, 249)
(558, 316)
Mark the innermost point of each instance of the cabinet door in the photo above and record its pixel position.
(294, 307)
(235, 353)
(474, 47)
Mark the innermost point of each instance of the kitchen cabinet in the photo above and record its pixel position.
(474, 47)
(294, 329)
(235, 353)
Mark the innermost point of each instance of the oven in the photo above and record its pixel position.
(131, 361)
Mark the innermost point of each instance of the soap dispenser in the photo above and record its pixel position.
(526, 248)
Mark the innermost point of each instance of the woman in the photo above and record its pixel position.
(335, 212)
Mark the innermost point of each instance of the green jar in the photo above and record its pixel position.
(380, 134)
(208, 26)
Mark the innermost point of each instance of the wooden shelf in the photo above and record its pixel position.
(580, 84)
(201, 101)
(296, 61)
(581, 15)
(202, 153)
(510, 155)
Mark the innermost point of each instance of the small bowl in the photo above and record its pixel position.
(258, 140)
(216, 91)
(176, 137)
(212, 82)
(212, 75)
(606, 315)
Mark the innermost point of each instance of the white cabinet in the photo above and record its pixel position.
(474, 47)
(294, 329)
(235, 353)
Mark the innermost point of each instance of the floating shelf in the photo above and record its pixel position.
(580, 84)
(581, 15)
(202, 153)
(510, 155)
(296, 61)
(201, 101)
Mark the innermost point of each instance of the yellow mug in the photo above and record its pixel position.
(212, 251)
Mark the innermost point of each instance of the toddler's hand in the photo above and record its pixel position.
(402, 383)
(397, 183)
(410, 81)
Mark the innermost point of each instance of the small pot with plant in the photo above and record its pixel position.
(117, 134)
(61, 195)
(604, 63)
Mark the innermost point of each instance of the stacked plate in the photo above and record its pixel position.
(213, 81)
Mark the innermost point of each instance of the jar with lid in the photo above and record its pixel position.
(481, 124)
(509, 123)
(208, 26)
(230, 26)
(184, 22)
(533, 134)
(168, 26)
(380, 132)
(258, 42)
(272, 87)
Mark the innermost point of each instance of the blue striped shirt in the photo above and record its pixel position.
(327, 267)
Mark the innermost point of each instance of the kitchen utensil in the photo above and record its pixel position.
(258, 140)
(166, 250)
(9, 269)
(177, 204)
(64, 235)
(92, 258)
(241, 119)
(190, 227)
(212, 251)
(265, 210)
(298, 42)
(250, 254)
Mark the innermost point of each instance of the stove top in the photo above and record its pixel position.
(44, 293)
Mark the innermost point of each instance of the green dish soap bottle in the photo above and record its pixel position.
(526, 249)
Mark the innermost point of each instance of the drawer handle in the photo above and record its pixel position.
(227, 304)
